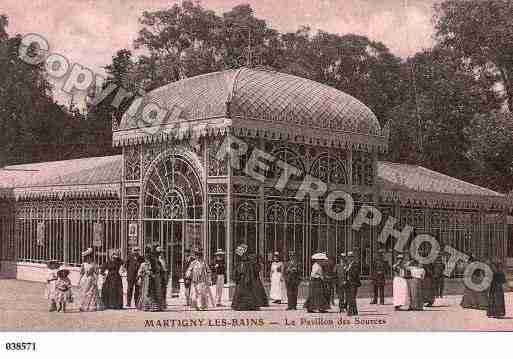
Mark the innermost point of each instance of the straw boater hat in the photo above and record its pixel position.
(219, 252)
(87, 252)
(320, 256)
(241, 250)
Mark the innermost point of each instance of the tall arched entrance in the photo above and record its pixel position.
(173, 209)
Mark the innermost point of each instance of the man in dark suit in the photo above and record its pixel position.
(340, 272)
(438, 277)
(352, 283)
(379, 269)
(187, 280)
(292, 280)
(132, 265)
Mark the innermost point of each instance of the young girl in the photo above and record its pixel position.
(62, 290)
(50, 284)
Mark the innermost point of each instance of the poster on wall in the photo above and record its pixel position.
(97, 234)
(132, 234)
(40, 233)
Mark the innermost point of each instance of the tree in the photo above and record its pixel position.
(444, 97)
(491, 139)
(351, 63)
(482, 31)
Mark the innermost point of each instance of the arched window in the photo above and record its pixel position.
(289, 157)
(329, 169)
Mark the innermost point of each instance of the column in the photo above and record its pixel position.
(228, 246)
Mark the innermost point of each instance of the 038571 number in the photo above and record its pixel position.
(27, 346)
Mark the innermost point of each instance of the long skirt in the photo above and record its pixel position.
(401, 292)
(112, 291)
(276, 287)
(150, 300)
(416, 296)
(89, 294)
(245, 297)
(199, 295)
(317, 299)
(261, 295)
(496, 305)
(474, 300)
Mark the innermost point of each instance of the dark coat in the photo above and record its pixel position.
(132, 265)
(496, 304)
(379, 270)
(353, 274)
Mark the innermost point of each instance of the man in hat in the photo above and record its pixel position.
(132, 265)
(340, 272)
(189, 258)
(378, 273)
(220, 271)
(292, 280)
(164, 275)
(352, 284)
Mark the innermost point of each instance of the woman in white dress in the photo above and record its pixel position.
(276, 279)
(400, 285)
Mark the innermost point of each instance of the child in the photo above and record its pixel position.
(62, 289)
(50, 286)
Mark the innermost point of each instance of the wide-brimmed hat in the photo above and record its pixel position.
(320, 256)
(87, 252)
(343, 254)
(219, 252)
(241, 250)
(53, 264)
(63, 271)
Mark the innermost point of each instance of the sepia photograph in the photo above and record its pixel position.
(256, 166)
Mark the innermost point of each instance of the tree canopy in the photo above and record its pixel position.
(445, 105)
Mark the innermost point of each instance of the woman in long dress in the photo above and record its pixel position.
(261, 294)
(400, 285)
(276, 293)
(415, 286)
(149, 300)
(112, 290)
(88, 283)
(317, 299)
(245, 293)
(496, 305)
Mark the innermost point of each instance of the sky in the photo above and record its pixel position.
(90, 32)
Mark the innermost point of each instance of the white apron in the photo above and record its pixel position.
(401, 293)
(276, 281)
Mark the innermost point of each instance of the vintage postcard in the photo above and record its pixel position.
(256, 165)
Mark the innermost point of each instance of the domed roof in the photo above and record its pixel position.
(257, 94)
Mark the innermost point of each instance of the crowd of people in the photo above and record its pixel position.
(415, 286)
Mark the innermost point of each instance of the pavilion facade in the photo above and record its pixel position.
(169, 186)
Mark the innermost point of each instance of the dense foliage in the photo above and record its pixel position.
(447, 107)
